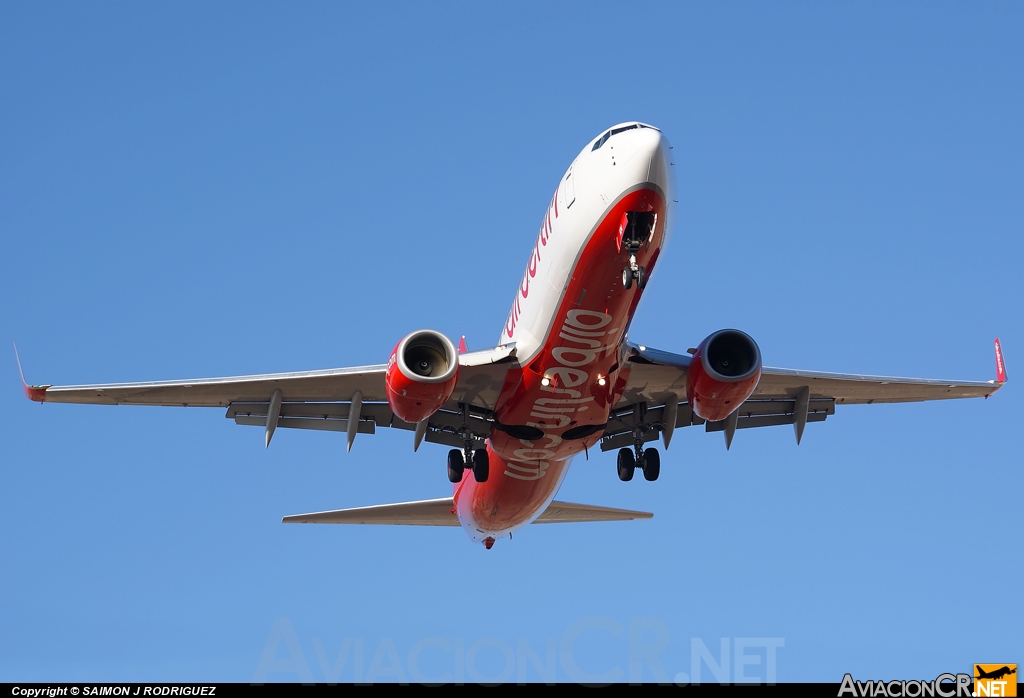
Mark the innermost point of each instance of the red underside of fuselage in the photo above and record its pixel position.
(582, 349)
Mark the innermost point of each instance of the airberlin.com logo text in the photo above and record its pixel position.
(988, 680)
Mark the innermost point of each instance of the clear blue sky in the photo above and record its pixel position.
(205, 189)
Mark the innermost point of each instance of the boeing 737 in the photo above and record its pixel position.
(562, 378)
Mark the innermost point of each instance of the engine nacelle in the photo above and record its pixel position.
(723, 373)
(421, 375)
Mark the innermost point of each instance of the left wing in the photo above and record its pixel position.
(323, 399)
(655, 396)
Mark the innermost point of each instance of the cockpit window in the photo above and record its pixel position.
(601, 141)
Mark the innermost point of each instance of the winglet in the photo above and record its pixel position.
(1000, 366)
(36, 393)
(462, 345)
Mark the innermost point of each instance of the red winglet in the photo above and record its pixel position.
(1000, 366)
(36, 393)
(462, 345)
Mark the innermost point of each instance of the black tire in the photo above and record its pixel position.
(456, 465)
(652, 464)
(626, 464)
(641, 278)
(627, 277)
(481, 465)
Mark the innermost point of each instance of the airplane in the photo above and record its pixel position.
(996, 674)
(562, 379)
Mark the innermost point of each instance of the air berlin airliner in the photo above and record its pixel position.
(562, 379)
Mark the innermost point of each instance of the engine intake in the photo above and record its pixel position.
(421, 375)
(723, 373)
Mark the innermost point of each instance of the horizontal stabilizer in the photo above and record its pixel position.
(441, 512)
(426, 512)
(566, 512)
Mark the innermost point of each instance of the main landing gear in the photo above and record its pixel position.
(476, 459)
(479, 464)
(648, 461)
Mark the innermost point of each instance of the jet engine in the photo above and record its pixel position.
(421, 375)
(723, 372)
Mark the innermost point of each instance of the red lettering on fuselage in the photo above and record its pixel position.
(582, 346)
(530, 273)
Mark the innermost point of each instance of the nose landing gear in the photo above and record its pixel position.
(636, 231)
(634, 271)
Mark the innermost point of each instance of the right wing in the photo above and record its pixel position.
(654, 399)
(320, 399)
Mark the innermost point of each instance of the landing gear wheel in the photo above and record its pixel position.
(652, 464)
(627, 277)
(641, 278)
(456, 465)
(481, 465)
(626, 464)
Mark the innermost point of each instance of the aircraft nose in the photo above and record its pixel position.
(655, 147)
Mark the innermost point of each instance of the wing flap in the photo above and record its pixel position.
(364, 427)
(444, 426)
